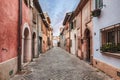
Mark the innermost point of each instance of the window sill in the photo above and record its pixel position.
(116, 55)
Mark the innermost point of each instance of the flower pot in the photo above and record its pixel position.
(96, 12)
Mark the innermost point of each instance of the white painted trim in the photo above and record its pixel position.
(29, 38)
(24, 27)
(8, 60)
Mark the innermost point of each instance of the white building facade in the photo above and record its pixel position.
(107, 32)
(73, 37)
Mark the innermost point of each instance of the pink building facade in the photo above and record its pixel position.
(15, 39)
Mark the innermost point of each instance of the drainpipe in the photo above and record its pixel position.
(86, 24)
(69, 37)
(19, 34)
(81, 37)
(38, 33)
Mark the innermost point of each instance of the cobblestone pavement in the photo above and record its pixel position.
(57, 64)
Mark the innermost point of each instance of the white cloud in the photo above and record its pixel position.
(57, 10)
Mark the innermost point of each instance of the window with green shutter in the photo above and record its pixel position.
(71, 25)
(98, 4)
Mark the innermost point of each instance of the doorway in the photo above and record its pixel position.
(40, 45)
(88, 45)
(26, 44)
(34, 45)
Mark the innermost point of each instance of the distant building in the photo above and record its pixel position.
(56, 41)
(66, 25)
(73, 34)
(62, 38)
(49, 32)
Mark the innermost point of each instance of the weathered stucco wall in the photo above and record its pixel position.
(9, 35)
(8, 29)
(87, 24)
(110, 15)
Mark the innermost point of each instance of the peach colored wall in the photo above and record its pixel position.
(67, 36)
(86, 11)
(107, 68)
(78, 26)
(9, 28)
(85, 17)
(44, 38)
(9, 35)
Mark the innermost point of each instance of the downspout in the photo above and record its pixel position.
(69, 37)
(19, 34)
(81, 37)
(38, 33)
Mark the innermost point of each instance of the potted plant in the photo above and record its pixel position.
(110, 47)
(105, 48)
(96, 12)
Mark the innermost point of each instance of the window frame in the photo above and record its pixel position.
(98, 4)
(114, 43)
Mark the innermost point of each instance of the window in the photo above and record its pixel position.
(98, 4)
(111, 36)
(48, 41)
(110, 39)
(70, 43)
(31, 3)
(71, 25)
(79, 43)
(118, 33)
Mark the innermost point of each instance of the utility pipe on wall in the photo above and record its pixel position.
(19, 34)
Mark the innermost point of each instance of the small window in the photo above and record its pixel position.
(98, 4)
(71, 25)
(31, 3)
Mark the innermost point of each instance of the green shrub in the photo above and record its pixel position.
(109, 47)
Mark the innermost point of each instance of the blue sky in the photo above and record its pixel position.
(57, 9)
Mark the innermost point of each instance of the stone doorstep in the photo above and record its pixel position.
(24, 70)
(25, 64)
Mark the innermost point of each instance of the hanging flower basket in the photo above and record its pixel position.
(96, 12)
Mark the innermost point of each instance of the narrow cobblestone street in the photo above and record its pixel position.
(57, 64)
